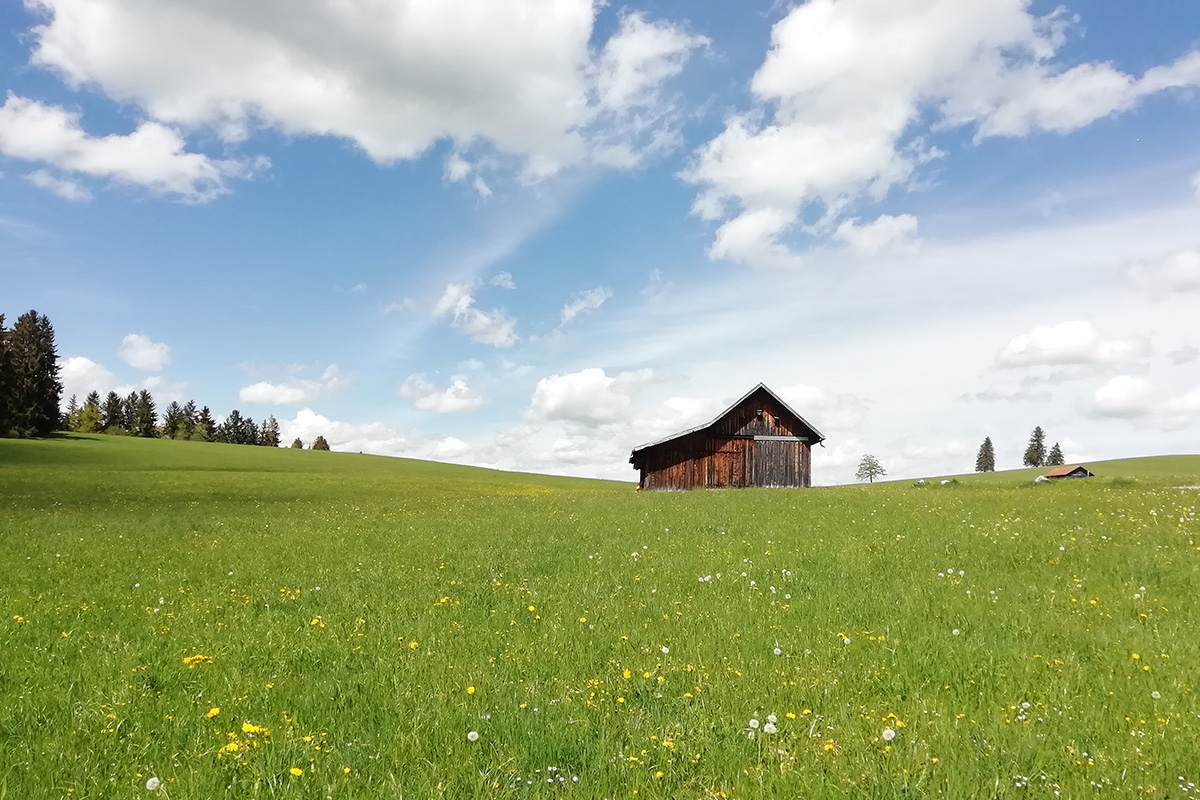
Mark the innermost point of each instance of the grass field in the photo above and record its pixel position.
(225, 621)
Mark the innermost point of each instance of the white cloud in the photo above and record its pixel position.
(372, 437)
(1184, 354)
(1075, 342)
(494, 327)
(1178, 271)
(140, 352)
(887, 234)
(393, 78)
(66, 189)
(1124, 396)
(584, 301)
(163, 390)
(1030, 387)
(295, 391)
(1196, 184)
(849, 89)
(153, 156)
(458, 396)
(827, 411)
(503, 280)
(80, 376)
(588, 397)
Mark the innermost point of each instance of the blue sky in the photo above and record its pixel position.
(534, 235)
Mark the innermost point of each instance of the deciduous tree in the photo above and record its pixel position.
(869, 469)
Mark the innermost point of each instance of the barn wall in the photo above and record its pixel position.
(714, 462)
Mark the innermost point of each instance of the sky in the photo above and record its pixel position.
(533, 234)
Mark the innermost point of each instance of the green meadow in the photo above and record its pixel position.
(202, 621)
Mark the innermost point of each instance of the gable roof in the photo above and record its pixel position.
(820, 437)
(1059, 472)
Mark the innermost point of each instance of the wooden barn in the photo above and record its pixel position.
(758, 441)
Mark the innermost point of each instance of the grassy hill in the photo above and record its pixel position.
(246, 622)
(1181, 469)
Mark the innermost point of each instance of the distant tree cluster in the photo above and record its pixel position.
(1035, 453)
(30, 389)
(137, 415)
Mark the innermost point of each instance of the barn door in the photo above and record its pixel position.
(776, 463)
(730, 464)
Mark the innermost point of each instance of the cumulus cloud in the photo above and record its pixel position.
(163, 390)
(887, 234)
(584, 301)
(80, 376)
(426, 396)
(154, 156)
(66, 189)
(1184, 355)
(140, 352)
(1135, 399)
(850, 90)
(824, 409)
(588, 397)
(494, 327)
(1075, 342)
(295, 391)
(521, 76)
(372, 437)
(1178, 271)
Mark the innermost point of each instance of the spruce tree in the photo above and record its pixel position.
(34, 391)
(268, 434)
(129, 412)
(112, 413)
(172, 420)
(145, 416)
(88, 418)
(206, 427)
(188, 424)
(320, 444)
(297, 444)
(986, 460)
(1055, 459)
(1035, 453)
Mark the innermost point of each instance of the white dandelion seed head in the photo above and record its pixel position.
(666, 649)
(777, 651)
(152, 784)
(769, 728)
(753, 724)
(888, 734)
(473, 736)
(846, 641)
(956, 631)
(1156, 695)
(772, 718)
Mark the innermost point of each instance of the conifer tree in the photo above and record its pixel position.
(145, 416)
(34, 391)
(297, 444)
(986, 460)
(129, 412)
(206, 427)
(172, 420)
(1055, 459)
(188, 424)
(268, 434)
(112, 413)
(88, 418)
(1035, 452)
(320, 444)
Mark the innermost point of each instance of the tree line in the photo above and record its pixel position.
(31, 396)
(1035, 453)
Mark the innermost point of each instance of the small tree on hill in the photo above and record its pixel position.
(297, 444)
(268, 434)
(1055, 459)
(1035, 453)
(869, 469)
(320, 444)
(986, 460)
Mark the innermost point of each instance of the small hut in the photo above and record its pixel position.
(1069, 472)
(759, 441)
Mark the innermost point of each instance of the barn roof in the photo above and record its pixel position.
(1059, 472)
(819, 437)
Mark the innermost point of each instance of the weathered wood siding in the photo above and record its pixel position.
(727, 454)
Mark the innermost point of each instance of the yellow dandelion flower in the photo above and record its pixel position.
(212, 712)
(413, 645)
(345, 770)
(1136, 657)
(250, 727)
(659, 775)
(470, 690)
(583, 619)
(627, 674)
(196, 660)
(18, 619)
(296, 771)
(790, 715)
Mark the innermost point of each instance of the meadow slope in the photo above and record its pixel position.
(225, 621)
